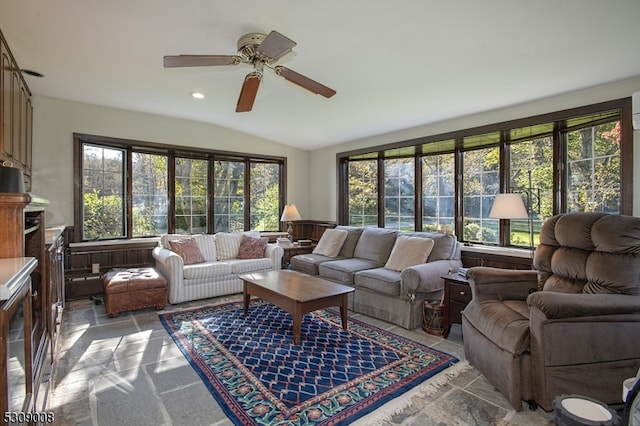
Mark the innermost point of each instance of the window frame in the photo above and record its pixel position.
(500, 134)
(172, 152)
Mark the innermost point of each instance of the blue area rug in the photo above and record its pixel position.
(333, 377)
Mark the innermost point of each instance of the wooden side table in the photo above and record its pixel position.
(457, 294)
(291, 250)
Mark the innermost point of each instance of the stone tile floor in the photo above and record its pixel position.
(128, 371)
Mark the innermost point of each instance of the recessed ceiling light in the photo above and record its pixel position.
(197, 95)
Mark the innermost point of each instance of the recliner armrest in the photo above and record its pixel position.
(556, 305)
(502, 284)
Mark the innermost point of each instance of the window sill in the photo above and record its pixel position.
(106, 243)
(499, 251)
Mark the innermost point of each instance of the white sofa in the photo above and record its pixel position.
(218, 274)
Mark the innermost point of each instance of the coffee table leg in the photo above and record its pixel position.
(343, 310)
(247, 297)
(297, 324)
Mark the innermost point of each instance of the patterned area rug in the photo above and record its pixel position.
(333, 377)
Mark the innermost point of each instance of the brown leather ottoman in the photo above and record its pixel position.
(133, 288)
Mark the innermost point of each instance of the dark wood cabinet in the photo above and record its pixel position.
(55, 280)
(16, 361)
(23, 236)
(457, 294)
(310, 229)
(496, 258)
(16, 114)
(85, 262)
(291, 250)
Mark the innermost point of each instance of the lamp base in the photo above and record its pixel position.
(290, 231)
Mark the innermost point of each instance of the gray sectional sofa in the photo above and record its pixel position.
(392, 295)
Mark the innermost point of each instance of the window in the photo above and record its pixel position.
(228, 196)
(191, 196)
(265, 196)
(363, 193)
(593, 168)
(572, 160)
(531, 174)
(149, 194)
(103, 193)
(135, 189)
(480, 184)
(399, 194)
(438, 193)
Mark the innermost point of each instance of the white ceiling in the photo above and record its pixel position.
(394, 65)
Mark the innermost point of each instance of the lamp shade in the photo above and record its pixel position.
(508, 206)
(290, 213)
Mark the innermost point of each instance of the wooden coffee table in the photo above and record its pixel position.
(296, 293)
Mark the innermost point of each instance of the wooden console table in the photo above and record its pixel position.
(291, 250)
(457, 294)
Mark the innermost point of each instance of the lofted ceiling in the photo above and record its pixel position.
(394, 65)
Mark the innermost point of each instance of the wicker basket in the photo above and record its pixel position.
(433, 317)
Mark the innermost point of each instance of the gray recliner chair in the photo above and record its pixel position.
(572, 326)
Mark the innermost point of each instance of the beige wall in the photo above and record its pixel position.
(56, 120)
(322, 175)
(311, 176)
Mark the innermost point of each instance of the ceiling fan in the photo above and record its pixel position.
(260, 51)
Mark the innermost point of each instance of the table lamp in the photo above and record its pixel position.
(290, 214)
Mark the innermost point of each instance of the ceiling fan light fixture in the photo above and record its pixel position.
(197, 95)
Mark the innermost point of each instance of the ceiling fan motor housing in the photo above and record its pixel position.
(248, 46)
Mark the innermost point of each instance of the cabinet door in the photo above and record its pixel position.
(15, 116)
(5, 140)
(16, 372)
(28, 153)
(23, 130)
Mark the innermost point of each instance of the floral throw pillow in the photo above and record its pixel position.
(188, 250)
(252, 248)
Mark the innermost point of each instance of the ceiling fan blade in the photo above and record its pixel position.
(248, 92)
(304, 82)
(275, 45)
(200, 60)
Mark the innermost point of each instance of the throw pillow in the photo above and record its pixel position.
(331, 242)
(188, 250)
(252, 248)
(409, 251)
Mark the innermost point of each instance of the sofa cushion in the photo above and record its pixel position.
(252, 248)
(243, 266)
(353, 235)
(308, 263)
(501, 323)
(375, 244)
(228, 244)
(380, 280)
(331, 242)
(342, 271)
(188, 250)
(408, 251)
(207, 245)
(211, 270)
